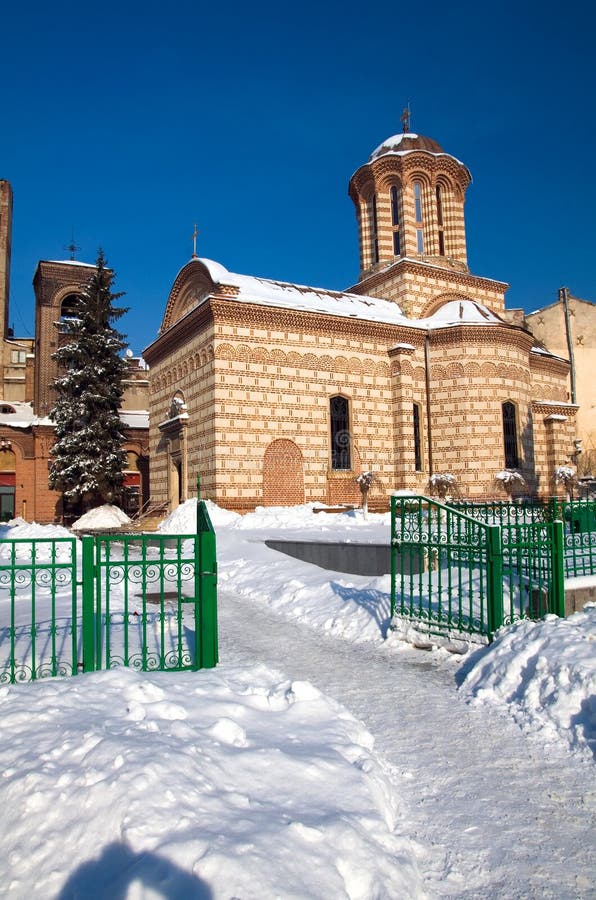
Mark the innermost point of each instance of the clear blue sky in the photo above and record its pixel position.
(129, 122)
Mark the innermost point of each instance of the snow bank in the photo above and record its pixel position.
(224, 783)
(102, 518)
(544, 675)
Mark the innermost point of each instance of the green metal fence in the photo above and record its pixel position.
(578, 518)
(40, 629)
(452, 573)
(144, 601)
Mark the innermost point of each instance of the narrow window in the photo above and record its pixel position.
(420, 240)
(374, 229)
(418, 200)
(439, 195)
(395, 220)
(439, 205)
(394, 206)
(340, 433)
(510, 435)
(417, 438)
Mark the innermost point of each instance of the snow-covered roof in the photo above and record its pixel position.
(134, 418)
(71, 262)
(462, 312)
(409, 142)
(24, 417)
(266, 292)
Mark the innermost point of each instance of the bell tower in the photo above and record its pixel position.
(409, 200)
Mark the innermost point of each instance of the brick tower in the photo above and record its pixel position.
(409, 198)
(5, 251)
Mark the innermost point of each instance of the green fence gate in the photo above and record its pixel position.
(148, 601)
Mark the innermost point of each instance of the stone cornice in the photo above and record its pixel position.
(550, 408)
(407, 266)
(406, 164)
(554, 364)
(482, 334)
(272, 317)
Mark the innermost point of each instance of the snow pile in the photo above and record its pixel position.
(18, 529)
(102, 518)
(223, 783)
(544, 675)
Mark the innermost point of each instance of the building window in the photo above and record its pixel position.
(420, 240)
(18, 356)
(375, 238)
(418, 200)
(417, 438)
(395, 220)
(510, 435)
(394, 206)
(439, 194)
(340, 433)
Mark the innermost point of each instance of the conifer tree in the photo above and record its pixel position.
(88, 457)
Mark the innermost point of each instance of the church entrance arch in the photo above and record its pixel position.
(174, 431)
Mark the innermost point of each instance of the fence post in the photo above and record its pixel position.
(207, 575)
(495, 579)
(88, 604)
(392, 553)
(557, 585)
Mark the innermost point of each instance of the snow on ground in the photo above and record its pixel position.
(354, 607)
(543, 674)
(223, 784)
(241, 782)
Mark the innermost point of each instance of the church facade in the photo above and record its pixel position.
(277, 393)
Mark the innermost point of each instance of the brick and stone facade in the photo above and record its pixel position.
(28, 374)
(279, 394)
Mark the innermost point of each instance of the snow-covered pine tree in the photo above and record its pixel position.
(88, 457)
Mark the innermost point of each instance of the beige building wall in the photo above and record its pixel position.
(549, 326)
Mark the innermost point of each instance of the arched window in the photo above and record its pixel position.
(417, 438)
(339, 409)
(510, 435)
(68, 311)
(440, 223)
(394, 193)
(374, 230)
(418, 216)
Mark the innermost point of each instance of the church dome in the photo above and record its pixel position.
(404, 143)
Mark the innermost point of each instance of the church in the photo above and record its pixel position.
(278, 393)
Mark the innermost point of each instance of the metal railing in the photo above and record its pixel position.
(578, 518)
(452, 573)
(138, 600)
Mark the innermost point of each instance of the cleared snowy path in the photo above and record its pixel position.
(494, 814)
